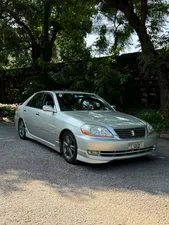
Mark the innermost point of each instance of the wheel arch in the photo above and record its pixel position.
(20, 118)
(62, 133)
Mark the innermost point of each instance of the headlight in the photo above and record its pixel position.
(150, 129)
(98, 131)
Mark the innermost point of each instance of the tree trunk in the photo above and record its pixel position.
(146, 44)
(164, 96)
(47, 52)
(150, 54)
(151, 57)
(36, 53)
(160, 72)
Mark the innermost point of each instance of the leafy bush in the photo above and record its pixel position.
(155, 118)
(151, 116)
(7, 111)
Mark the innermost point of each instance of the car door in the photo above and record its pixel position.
(32, 112)
(47, 120)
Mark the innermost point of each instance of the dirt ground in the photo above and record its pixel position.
(38, 187)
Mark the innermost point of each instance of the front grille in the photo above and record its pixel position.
(131, 132)
(126, 152)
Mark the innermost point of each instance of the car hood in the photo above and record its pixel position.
(113, 119)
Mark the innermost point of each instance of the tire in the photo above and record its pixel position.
(21, 129)
(69, 147)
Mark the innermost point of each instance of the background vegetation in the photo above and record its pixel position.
(49, 39)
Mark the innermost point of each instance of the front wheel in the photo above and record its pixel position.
(69, 147)
(21, 129)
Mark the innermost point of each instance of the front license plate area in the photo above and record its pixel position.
(136, 145)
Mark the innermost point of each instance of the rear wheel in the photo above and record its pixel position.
(21, 129)
(69, 147)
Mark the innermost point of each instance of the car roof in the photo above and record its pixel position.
(67, 92)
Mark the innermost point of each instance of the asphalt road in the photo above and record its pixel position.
(38, 187)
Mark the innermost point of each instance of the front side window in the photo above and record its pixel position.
(80, 102)
(48, 100)
(36, 101)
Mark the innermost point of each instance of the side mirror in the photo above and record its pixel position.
(48, 108)
(113, 106)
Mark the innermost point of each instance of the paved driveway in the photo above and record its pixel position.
(38, 187)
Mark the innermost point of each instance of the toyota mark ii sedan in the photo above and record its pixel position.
(84, 127)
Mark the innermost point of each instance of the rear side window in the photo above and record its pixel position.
(36, 101)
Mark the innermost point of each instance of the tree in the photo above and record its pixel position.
(144, 17)
(115, 26)
(38, 24)
(112, 31)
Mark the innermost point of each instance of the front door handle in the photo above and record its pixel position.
(37, 114)
(24, 110)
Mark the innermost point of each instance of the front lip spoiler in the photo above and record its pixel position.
(102, 160)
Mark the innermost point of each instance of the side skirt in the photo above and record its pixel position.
(55, 147)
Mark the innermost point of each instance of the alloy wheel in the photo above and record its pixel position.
(69, 147)
(22, 130)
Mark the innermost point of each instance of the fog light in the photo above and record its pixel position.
(95, 153)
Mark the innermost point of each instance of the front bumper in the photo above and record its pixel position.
(114, 149)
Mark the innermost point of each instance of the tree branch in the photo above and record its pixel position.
(138, 24)
(47, 11)
(56, 28)
(131, 16)
(116, 4)
(2, 17)
(22, 24)
(144, 11)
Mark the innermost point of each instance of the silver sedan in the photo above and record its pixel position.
(84, 127)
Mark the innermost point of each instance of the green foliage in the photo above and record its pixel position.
(7, 111)
(152, 117)
(147, 18)
(155, 118)
(113, 31)
(45, 30)
(102, 76)
(102, 43)
(30, 86)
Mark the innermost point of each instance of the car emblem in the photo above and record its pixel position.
(132, 133)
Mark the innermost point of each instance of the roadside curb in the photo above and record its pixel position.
(164, 136)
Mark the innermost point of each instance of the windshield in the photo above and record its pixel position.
(79, 102)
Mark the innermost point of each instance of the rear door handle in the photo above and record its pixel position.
(37, 114)
(24, 110)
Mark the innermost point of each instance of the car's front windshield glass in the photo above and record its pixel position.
(81, 102)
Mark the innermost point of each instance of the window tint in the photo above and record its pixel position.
(48, 100)
(35, 102)
(71, 102)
